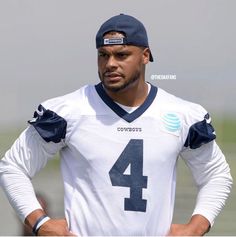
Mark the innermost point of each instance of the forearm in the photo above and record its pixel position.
(212, 197)
(213, 194)
(20, 192)
(21, 196)
(27, 156)
(212, 176)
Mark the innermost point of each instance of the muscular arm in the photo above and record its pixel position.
(213, 180)
(25, 158)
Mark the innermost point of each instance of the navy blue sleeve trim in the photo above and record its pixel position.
(200, 133)
(49, 125)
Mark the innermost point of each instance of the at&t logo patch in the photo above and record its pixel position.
(171, 122)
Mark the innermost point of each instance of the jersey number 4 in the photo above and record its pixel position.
(132, 155)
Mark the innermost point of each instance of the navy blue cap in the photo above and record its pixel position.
(133, 30)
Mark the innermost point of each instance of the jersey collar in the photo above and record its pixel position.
(129, 117)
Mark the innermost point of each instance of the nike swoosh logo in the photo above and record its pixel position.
(40, 113)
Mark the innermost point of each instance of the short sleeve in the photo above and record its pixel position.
(50, 126)
(200, 133)
(198, 129)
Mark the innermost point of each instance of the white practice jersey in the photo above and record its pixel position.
(119, 168)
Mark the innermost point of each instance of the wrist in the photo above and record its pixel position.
(40, 221)
(31, 219)
(199, 225)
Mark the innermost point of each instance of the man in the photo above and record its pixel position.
(119, 142)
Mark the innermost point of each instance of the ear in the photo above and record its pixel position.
(146, 55)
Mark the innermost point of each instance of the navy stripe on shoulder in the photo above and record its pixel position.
(200, 133)
(50, 126)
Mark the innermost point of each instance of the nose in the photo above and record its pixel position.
(111, 62)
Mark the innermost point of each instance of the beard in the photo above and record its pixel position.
(123, 86)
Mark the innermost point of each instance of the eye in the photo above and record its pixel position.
(122, 55)
(102, 54)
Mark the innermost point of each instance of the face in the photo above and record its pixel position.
(120, 66)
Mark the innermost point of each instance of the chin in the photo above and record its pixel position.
(114, 88)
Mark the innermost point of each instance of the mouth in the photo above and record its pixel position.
(112, 76)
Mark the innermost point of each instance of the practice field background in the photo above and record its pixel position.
(49, 183)
(47, 49)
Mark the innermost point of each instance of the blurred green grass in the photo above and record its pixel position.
(226, 133)
(185, 191)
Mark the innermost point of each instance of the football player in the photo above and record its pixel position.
(119, 143)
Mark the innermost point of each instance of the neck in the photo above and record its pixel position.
(134, 95)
